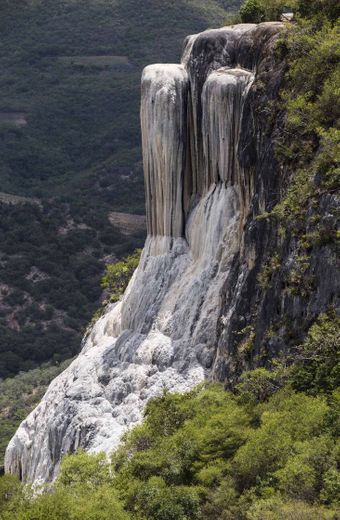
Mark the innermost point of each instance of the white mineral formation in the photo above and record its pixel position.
(164, 127)
(162, 334)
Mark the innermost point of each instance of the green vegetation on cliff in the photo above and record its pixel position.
(256, 11)
(118, 275)
(309, 144)
(300, 265)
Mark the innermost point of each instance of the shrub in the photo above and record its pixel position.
(278, 509)
(118, 275)
(316, 366)
(252, 12)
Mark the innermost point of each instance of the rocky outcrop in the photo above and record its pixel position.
(210, 171)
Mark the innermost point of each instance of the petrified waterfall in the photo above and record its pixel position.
(164, 128)
(163, 333)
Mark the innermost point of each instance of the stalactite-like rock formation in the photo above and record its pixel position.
(223, 98)
(164, 129)
(197, 132)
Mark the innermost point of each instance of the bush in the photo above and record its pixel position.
(278, 509)
(118, 275)
(316, 366)
(252, 12)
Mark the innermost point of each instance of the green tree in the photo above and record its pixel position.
(316, 367)
(83, 469)
(252, 12)
(11, 494)
(286, 419)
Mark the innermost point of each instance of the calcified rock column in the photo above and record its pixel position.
(163, 333)
(163, 122)
(223, 98)
(203, 54)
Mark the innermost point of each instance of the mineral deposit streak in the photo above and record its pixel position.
(162, 334)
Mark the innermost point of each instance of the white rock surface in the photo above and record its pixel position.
(163, 121)
(222, 102)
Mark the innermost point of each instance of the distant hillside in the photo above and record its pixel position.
(51, 263)
(72, 87)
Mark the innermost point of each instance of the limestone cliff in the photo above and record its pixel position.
(209, 172)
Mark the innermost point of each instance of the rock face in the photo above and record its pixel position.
(209, 171)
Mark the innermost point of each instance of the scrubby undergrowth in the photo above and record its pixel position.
(269, 450)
